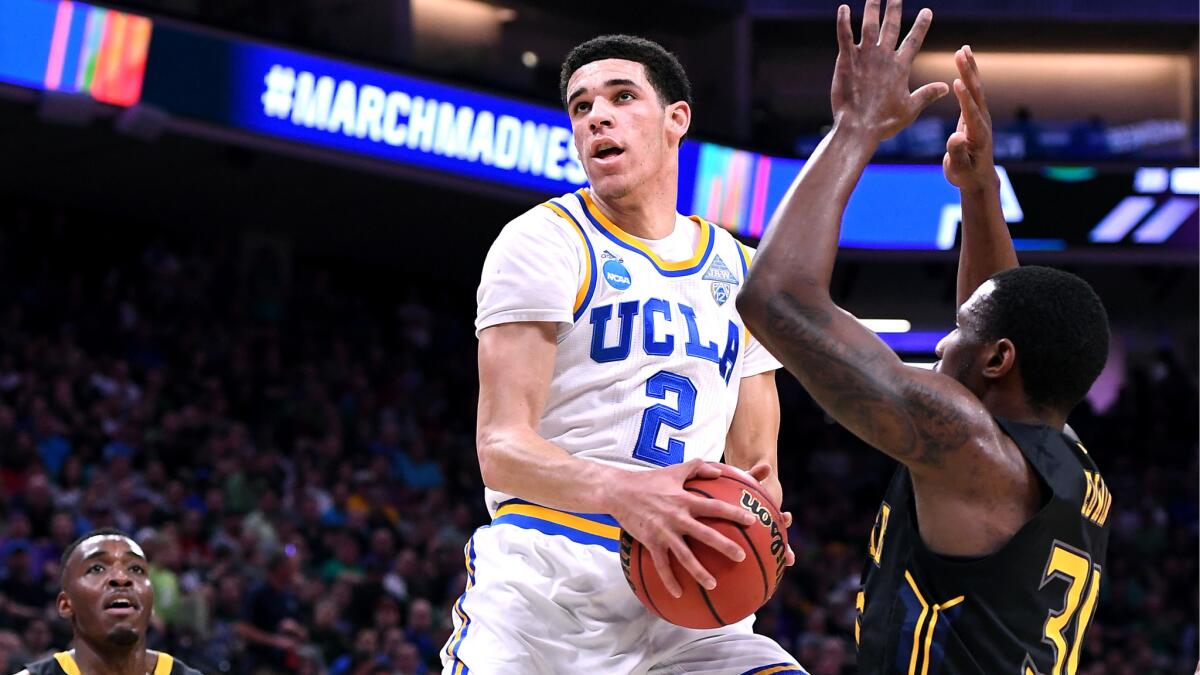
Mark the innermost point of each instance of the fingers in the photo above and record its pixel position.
(973, 121)
(926, 95)
(845, 34)
(716, 541)
(916, 36)
(698, 468)
(969, 70)
(703, 507)
(789, 558)
(891, 25)
(760, 471)
(662, 564)
(870, 24)
(957, 149)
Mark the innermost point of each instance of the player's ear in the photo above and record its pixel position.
(64, 606)
(999, 359)
(678, 120)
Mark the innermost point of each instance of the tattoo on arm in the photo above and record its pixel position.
(852, 380)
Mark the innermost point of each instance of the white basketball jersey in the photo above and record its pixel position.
(651, 351)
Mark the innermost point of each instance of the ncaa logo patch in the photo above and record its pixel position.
(616, 275)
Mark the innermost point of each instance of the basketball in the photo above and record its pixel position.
(742, 587)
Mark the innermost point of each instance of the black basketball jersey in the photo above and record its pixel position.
(63, 663)
(1022, 610)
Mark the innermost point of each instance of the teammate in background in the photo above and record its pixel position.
(612, 366)
(987, 552)
(107, 598)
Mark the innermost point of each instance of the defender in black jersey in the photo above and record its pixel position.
(988, 550)
(107, 597)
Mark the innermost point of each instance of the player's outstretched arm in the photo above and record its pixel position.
(969, 165)
(516, 362)
(916, 416)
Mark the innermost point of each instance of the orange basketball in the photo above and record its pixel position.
(742, 587)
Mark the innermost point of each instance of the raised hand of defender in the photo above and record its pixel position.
(969, 164)
(870, 79)
(653, 507)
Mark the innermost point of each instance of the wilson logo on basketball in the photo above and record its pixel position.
(778, 548)
(626, 554)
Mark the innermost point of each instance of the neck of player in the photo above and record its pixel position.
(113, 660)
(1007, 400)
(648, 209)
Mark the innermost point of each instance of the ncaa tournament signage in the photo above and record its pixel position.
(342, 106)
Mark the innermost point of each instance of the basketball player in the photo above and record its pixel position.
(107, 597)
(612, 366)
(987, 552)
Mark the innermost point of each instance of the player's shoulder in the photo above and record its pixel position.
(546, 224)
(182, 668)
(726, 240)
(48, 665)
(177, 667)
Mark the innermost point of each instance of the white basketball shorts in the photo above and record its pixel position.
(546, 594)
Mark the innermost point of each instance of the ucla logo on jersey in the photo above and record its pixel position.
(616, 274)
(723, 280)
(677, 319)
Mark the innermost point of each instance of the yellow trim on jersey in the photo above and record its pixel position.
(746, 262)
(912, 661)
(615, 230)
(162, 666)
(933, 617)
(777, 669)
(745, 255)
(581, 294)
(932, 627)
(165, 663)
(565, 519)
(67, 663)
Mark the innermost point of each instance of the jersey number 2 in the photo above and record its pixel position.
(1083, 586)
(679, 417)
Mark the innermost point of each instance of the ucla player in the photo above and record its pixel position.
(988, 549)
(612, 366)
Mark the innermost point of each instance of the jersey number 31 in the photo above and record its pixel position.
(1079, 603)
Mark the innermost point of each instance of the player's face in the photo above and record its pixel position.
(959, 352)
(624, 134)
(106, 591)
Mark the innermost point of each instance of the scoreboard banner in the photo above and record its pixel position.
(123, 59)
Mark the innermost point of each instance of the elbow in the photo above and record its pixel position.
(487, 448)
(752, 304)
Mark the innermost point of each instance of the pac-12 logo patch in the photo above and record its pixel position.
(720, 292)
(616, 275)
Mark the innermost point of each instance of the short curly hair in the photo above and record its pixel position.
(1058, 326)
(663, 69)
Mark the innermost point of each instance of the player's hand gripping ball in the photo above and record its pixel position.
(742, 587)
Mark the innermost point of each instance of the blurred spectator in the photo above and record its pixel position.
(271, 620)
